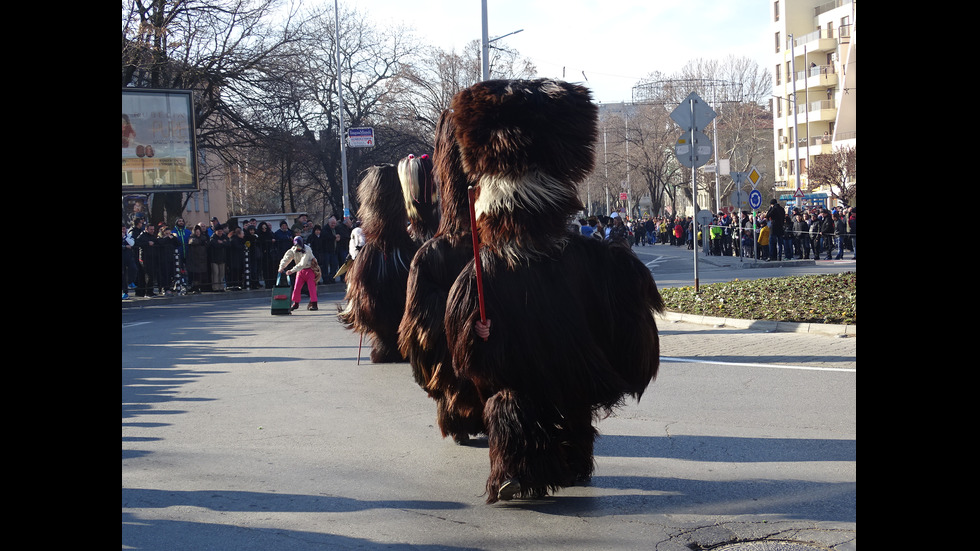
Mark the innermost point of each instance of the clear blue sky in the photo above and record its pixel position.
(614, 42)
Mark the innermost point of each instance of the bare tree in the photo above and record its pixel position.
(426, 87)
(838, 171)
(217, 48)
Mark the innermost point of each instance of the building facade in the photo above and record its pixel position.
(814, 88)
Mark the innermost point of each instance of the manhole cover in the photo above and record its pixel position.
(768, 546)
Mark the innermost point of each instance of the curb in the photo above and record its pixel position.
(736, 323)
(139, 302)
(766, 326)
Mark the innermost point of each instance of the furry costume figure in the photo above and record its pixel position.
(573, 329)
(421, 196)
(421, 336)
(376, 280)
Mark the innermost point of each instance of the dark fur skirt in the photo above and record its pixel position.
(422, 336)
(375, 298)
(572, 335)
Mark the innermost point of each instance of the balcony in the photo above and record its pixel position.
(817, 41)
(817, 76)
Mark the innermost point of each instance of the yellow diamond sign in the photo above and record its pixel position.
(754, 177)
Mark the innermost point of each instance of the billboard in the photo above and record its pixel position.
(158, 146)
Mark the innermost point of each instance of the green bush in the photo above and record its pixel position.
(803, 299)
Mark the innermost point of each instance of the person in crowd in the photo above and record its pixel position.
(300, 257)
(840, 233)
(268, 255)
(827, 233)
(776, 216)
(128, 262)
(170, 264)
(147, 258)
(197, 259)
(218, 247)
(715, 233)
(235, 261)
(765, 234)
(814, 222)
(332, 260)
(650, 229)
(690, 232)
(617, 231)
(253, 258)
(300, 227)
(182, 234)
(801, 232)
(284, 239)
(319, 243)
(213, 228)
(725, 221)
(852, 231)
(788, 236)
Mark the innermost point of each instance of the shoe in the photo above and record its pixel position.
(294, 306)
(132, 285)
(125, 296)
(508, 490)
(312, 306)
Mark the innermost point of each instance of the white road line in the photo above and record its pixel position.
(772, 366)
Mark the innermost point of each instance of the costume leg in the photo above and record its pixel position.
(459, 411)
(529, 454)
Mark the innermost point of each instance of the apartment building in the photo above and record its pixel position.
(814, 89)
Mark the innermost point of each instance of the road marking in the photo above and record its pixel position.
(134, 324)
(658, 260)
(773, 366)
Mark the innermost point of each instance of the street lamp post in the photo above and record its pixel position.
(485, 42)
(340, 113)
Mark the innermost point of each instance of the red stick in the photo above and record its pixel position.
(471, 192)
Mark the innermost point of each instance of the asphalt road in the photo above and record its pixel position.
(247, 431)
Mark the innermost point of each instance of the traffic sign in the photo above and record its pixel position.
(693, 113)
(754, 177)
(755, 199)
(740, 199)
(360, 137)
(704, 217)
(693, 149)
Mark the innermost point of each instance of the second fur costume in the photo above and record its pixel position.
(437, 264)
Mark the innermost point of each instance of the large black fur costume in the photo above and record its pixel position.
(421, 335)
(573, 329)
(377, 278)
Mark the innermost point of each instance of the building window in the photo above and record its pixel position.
(775, 10)
(777, 42)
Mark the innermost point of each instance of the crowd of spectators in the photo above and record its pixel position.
(775, 234)
(160, 260)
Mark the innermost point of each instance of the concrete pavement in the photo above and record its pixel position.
(246, 431)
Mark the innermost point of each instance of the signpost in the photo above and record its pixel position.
(693, 148)
(360, 137)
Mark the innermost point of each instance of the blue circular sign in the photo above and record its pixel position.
(755, 199)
